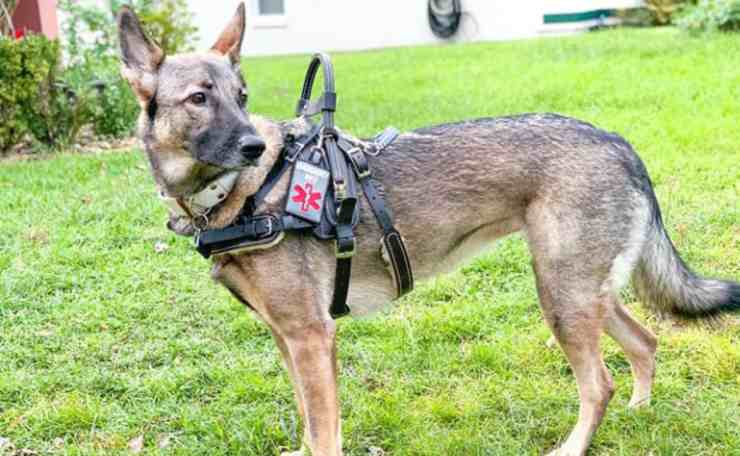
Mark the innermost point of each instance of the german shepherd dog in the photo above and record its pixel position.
(580, 195)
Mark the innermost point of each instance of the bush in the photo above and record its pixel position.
(57, 113)
(655, 12)
(112, 107)
(91, 47)
(663, 10)
(167, 22)
(18, 90)
(710, 15)
(32, 101)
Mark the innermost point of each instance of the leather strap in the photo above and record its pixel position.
(392, 240)
(339, 307)
(329, 104)
(343, 193)
(403, 276)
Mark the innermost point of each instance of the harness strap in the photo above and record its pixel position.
(345, 249)
(393, 243)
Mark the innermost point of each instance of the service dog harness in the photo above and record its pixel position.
(327, 169)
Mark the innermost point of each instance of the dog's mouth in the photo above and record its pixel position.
(181, 225)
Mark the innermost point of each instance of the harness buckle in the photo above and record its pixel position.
(340, 191)
(344, 248)
(269, 224)
(359, 162)
(296, 147)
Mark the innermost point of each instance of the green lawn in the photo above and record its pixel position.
(102, 339)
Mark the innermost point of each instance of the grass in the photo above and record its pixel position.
(102, 339)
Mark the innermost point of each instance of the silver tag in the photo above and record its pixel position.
(307, 191)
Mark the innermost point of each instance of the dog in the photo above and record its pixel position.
(581, 197)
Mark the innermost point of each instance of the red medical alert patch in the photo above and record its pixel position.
(307, 197)
(307, 191)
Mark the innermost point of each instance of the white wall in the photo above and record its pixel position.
(337, 25)
(343, 25)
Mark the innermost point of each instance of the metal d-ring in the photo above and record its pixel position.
(200, 222)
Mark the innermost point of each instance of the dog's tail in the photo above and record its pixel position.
(666, 284)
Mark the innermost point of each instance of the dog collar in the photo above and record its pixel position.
(200, 204)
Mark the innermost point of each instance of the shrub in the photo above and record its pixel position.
(655, 12)
(709, 15)
(36, 102)
(17, 89)
(32, 102)
(56, 114)
(167, 22)
(663, 10)
(92, 52)
(112, 108)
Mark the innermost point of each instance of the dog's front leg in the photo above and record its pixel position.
(310, 353)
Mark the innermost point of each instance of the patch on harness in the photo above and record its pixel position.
(307, 191)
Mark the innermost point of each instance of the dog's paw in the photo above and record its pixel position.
(552, 342)
(639, 402)
(293, 453)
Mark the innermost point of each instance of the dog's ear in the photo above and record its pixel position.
(140, 56)
(230, 41)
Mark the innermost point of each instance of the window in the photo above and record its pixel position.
(271, 7)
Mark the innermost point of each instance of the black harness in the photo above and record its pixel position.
(328, 169)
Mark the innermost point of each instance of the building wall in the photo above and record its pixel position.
(341, 25)
(39, 16)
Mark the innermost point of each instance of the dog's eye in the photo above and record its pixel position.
(198, 98)
(243, 98)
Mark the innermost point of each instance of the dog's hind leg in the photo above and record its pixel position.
(575, 309)
(577, 326)
(639, 344)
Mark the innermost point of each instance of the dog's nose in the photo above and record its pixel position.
(251, 147)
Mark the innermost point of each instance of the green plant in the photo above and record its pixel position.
(168, 22)
(91, 30)
(57, 114)
(16, 90)
(114, 108)
(663, 10)
(709, 15)
(91, 51)
(36, 102)
(655, 12)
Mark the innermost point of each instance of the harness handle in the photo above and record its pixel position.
(329, 98)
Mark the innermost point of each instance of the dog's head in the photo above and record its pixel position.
(193, 122)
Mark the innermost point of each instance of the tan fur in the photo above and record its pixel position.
(580, 195)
